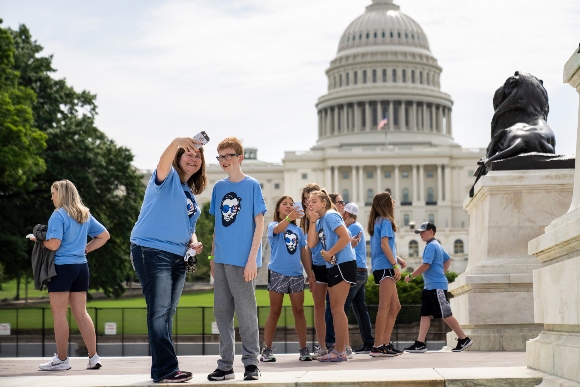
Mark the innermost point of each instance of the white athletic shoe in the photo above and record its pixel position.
(94, 362)
(55, 364)
(348, 350)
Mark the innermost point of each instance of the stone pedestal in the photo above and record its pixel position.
(557, 284)
(493, 299)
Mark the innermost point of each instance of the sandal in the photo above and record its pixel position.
(333, 356)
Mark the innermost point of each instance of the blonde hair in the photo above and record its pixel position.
(382, 207)
(323, 196)
(68, 198)
(304, 223)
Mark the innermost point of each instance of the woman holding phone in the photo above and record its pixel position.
(160, 238)
(287, 261)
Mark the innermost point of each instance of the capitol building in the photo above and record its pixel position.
(383, 70)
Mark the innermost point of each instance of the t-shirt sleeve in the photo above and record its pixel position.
(259, 202)
(271, 227)
(212, 204)
(335, 221)
(428, 255)
(95, 227)
(164, 183)
(55, 226)
(386, 229)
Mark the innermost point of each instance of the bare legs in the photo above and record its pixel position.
(59, 302)
(276, 299)
(389, 307)
(338, 294)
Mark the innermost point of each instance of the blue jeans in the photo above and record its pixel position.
(356, 298)
(162, 276)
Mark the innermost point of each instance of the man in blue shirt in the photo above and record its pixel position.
(238, 206)
(434, 303)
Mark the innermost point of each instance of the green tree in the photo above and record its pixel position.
(78, 151)
(22, 144)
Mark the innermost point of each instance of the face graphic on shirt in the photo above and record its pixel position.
(230, 206)
(190, 201)
(291, 240)
(322, 237)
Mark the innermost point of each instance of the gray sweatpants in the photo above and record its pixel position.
(233, 294)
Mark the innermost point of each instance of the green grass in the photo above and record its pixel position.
(9, 291)
(130, 314)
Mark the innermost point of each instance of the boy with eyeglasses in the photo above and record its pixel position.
(238, 206)
(434, 304)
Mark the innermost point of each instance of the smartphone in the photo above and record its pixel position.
(359, 234)
(30, 236)
(201, 137)
(298, 206)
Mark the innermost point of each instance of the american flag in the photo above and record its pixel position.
(382, 123)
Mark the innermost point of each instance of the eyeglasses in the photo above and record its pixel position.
(340, 202)
(227, 157)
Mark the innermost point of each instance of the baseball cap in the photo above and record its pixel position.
(426, 226)
(351, 208)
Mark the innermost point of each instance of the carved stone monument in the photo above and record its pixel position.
(508, 206)
(557, 283)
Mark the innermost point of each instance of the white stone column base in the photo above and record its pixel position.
(508, 338)
(556, 353)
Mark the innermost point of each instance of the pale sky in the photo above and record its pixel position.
(255, 68)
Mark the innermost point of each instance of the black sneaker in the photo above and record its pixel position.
(363, 350)
(463, 344)
(418, 347)
(221, 375)
(252, 373)
(391, 346)
(178, 377)
(383, 351)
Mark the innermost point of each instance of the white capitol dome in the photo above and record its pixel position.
(384, 69)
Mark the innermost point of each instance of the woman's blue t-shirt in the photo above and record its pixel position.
(73, 236)
(168, 215)
(383, 229)
(326, 227)
(285, 250)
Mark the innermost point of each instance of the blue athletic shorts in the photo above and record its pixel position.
(70, 278)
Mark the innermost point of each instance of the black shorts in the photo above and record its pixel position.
(382, 274)
(320, 273)
(345, 271)
(70, 278)
(434, 303)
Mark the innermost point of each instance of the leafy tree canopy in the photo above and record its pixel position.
(78, 151)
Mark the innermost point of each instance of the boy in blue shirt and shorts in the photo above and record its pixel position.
(434, 303)
(238, 206)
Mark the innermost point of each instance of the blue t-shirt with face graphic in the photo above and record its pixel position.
(326, 227)
(285, 250)
(168, 215)
(383, 229)
(234, 206)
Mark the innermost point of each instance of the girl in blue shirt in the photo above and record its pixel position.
(340, 261)
(68, 228)
(288, 247)
(382, 228)
(164, 231)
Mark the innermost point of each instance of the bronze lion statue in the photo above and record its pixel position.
(519, 123)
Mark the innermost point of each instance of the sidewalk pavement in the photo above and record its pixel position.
(434, 368)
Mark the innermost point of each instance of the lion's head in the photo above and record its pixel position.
(522, 98)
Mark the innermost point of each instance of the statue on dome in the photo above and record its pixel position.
(520, 135)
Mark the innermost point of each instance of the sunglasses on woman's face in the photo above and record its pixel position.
(340, 202)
